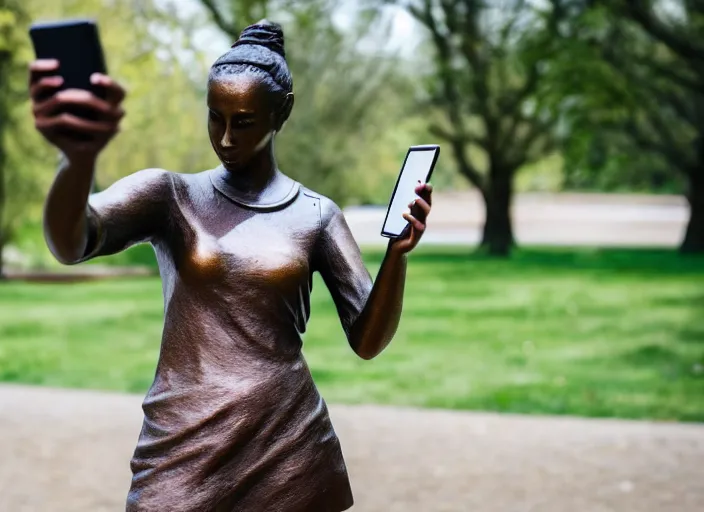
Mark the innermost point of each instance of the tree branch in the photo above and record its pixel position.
(466, 167)
(670, 74)
(508, 27)
(453, 100)
(511, 108)
(464, 138)
(648, 144)
(480, 66)
(642, 14)
(670, 98)
(229, 28)
(510, 103)
(662, 127)
(521, 148)
(679, 106)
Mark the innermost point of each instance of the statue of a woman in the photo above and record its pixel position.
(233, 420)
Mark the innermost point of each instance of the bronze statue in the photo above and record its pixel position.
(233, 420)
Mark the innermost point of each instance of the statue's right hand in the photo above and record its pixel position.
(75, 136)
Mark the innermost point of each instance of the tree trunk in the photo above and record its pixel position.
(5, 61)
(497, 238)
(3, 235)
(2, 267)
(3, 197)
(694, 236)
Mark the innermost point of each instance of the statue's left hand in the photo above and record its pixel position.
(417, 216)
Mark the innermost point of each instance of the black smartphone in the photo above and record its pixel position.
(76, 45)
(417, 168)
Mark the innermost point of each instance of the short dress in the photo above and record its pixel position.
(233, 421)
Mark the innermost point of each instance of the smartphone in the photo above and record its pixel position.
(76, 45)
(417, 168)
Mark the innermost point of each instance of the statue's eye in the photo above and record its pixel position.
(242, 120)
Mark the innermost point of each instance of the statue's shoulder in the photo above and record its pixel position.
(152, 183)
(195, 184)
(327, 208)
(152, 176)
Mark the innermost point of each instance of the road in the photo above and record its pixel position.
(69, 451)
(597, 220)
(546, 219)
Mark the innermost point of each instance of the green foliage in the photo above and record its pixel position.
(162, 101)
(633, 122)
(347, 136)
(526, 81)
(343, 136)
(165, 122)
(489, 95)
(642, 107)
(589, 332)
(20, 180)
(487, 82)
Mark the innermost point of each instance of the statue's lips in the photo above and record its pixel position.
(229, 158)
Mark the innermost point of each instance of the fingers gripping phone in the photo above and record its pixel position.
(76, 45)
(417, 168)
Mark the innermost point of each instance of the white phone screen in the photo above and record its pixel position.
(416, 169)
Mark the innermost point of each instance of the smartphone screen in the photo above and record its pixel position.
(417, 168)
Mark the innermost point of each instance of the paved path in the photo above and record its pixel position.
(399, 459)
(546, 219)
(600, 220)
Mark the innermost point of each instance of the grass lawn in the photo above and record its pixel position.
(584, 332)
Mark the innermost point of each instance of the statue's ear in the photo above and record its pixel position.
(284, 111)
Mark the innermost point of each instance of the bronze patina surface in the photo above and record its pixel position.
(233, 420)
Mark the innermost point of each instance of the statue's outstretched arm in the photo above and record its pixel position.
(369, 311)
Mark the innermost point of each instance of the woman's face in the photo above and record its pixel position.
(240, 120)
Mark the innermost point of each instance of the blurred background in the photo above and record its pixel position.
(562, 273)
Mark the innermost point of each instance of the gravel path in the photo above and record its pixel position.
(606, 220)
(399, 459)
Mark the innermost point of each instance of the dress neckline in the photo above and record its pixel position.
(229, 192)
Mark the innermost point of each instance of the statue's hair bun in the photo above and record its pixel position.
(264, 33)
(259, 51)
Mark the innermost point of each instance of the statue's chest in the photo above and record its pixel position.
(248, 247)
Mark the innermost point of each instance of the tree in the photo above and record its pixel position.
(345, 100)
(342, 96)
(489, 83)
(163, 103)
(671, 122)
(18, 178)
(651, 91)
(159, 130)
(7, 49)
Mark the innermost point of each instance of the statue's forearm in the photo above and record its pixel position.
(377, 324)
(65, 212)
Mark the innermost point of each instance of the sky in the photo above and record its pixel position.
(403, 39)
(404, 29)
